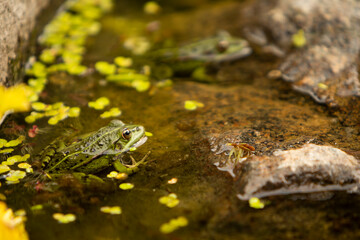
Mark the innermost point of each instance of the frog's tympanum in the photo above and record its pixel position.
(95, 151)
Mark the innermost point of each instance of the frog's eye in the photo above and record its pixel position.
(126, 134)
(222, 46)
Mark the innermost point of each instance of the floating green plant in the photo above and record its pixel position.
(12, 143)
(126, 186)
(14, 176)
(299, 39)
(152, 8)
(192, 105)
(113, 112)
(173, 224)
(114, 210)
(15, 159)
(117, 175)
(170, 200)
(256, 203)
(99, 103)
(57, 112)
(64, 218)
(120, 73)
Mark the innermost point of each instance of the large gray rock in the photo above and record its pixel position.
(326, 68)
(17, 19)
(311, 168)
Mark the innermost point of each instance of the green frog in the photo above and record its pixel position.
(95, 151)
(195, 57)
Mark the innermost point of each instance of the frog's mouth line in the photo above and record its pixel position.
(140, 142)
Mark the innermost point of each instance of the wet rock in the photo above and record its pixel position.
(311, 168)
(17, 19)
(326, 67)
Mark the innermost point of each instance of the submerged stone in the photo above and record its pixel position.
(311, 168)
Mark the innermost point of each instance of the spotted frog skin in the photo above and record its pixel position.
(95, 151)
(210, 51)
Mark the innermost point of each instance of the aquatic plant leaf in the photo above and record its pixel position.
(15, 142)
(64, 218)
(148, 134)
(38, 70)
(140, 85)
(126, 186)
(113, 112)
(4, 168)
(256, 203)
(100, 103)
(74, 112)
(152, 8)
(105, 68)
(173, 224)
(170, 200)
(115, 210)
(192, 105)
(123, 62)
(48, 55)
(299, 39)
(6, 151)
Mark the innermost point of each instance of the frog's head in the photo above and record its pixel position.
(131, 136)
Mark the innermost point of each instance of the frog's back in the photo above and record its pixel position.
(81, 152)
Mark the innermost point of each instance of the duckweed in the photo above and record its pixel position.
(299, 39)
(192, 105)
(57, 111)
(126, 186)
(148, 134)
(256, 203)
(322, 86)
(113, 112)
(37, 207)
(100, 103)
(20, 212)
(117, 175)
(115, 210)
(4, 168)
(14, 176)
(123, 62)
(74, 112)
(152, 8)
(6, 151)
(26, 166)
(170, 200)
(12, 143)
(173, 224)
(64, 218)
(15, 159)
(140, 85)
(105, 68)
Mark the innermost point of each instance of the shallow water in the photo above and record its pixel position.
(244, 98)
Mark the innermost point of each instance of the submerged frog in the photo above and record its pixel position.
(95, 151)
(193, 57)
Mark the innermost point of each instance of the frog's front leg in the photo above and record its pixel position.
(129, 169)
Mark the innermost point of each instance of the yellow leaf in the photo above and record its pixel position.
(11, 227)
(14, 99)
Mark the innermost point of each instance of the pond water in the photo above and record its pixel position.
(242, 98)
